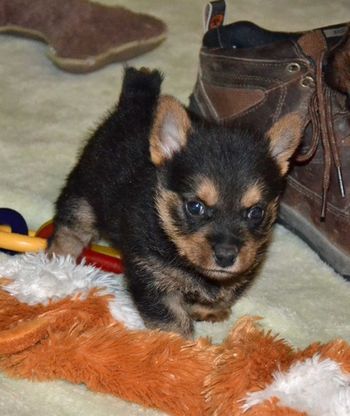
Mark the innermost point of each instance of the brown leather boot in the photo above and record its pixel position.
(254, 76)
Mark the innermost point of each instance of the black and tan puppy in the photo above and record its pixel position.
(190, 204)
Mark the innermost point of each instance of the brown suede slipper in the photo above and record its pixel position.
(82, 35)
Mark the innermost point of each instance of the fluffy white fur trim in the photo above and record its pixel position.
(315, 386)
(38, 279)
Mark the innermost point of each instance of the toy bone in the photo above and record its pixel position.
(62, 321)
(82, 35)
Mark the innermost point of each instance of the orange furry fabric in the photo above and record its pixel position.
(76, 339)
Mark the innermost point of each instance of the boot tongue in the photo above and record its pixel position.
(313, 43)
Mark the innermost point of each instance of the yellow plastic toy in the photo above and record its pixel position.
(25, 240)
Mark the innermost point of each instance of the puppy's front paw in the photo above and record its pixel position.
(65, 242)
(206, 313)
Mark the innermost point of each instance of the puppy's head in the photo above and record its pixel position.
(219, 188)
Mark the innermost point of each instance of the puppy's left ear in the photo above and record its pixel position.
(170, 129)
(285, 136)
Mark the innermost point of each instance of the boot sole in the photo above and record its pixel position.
(330, 254)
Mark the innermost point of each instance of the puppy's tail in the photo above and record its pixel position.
(141, 87)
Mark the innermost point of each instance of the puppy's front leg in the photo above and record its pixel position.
(75, 227)
(168, 315)
(181, 321)
(200, 312)
(159, 309)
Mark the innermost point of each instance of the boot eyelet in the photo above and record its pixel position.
(307, 82)
(293, 67)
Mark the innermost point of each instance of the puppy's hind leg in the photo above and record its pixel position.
(75, 227)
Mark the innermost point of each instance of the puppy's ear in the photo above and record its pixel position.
(285, 136)
(170, 129)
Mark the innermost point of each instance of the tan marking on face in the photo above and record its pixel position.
(272, 211)
(72, 240)
(251, 252)
(247, 257)
(247, 260)
(252, 196)
(194, 247)
(165, 201)
(207, 192)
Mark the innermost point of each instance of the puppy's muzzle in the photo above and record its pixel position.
(225, 255)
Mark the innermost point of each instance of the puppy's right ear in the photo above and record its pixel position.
(170, 130)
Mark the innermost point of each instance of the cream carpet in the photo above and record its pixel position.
(46, 113)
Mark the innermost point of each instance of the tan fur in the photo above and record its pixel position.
(196, 248)
(285, 136)
(252, 196)
(73, 240)
(210, 313)
(175, 303)
(165, 200)
(207, 192)
(169, 110)
(272, 211)
(247, 256)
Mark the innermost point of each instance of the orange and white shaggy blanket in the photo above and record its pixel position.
(59, 320)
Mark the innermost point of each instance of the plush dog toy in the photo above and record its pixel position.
(82, 35)
(59, 320)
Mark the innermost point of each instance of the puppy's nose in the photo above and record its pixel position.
(225, 256)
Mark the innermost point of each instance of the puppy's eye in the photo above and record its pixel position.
(195, 208)
(255, 215)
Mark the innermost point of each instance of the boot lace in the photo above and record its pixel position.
(320, 112)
